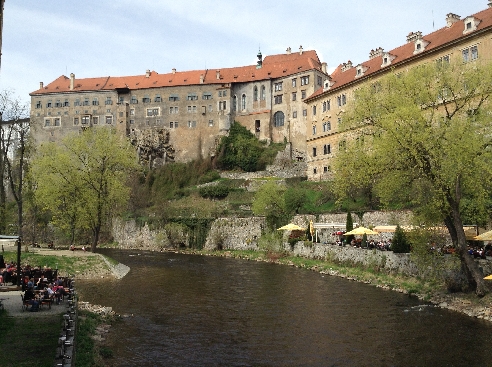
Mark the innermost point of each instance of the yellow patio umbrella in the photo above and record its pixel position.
(360, 231)
(487, 236)
(291, 227)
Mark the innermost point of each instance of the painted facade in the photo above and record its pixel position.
(465, 39)
(195, 108)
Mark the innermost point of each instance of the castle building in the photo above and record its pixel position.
(190, 109)
(465, 39)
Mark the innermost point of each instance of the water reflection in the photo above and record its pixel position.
(205, 311)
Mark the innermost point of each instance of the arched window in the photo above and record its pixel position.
(234, 103)
(262, 94)
(278, 119)
(243, 102)
(255, 93)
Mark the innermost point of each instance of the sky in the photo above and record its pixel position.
(43, 39)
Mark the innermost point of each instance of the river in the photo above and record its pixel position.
(193, 310)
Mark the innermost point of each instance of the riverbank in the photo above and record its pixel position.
(433, 293)
(88, 265)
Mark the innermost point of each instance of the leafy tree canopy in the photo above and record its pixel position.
(82, 179)
(423, 136)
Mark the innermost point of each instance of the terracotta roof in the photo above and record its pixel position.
(439, 38)
(274, 66)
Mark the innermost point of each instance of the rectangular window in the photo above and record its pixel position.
(210, 108)
(192, 97)
(277, 87)
(328, 103)
(303, 94)
(173, 98)
(207, 96)
(314, 152)
(109, 120)
(314, 130)
(305, 80)
(85, 120)
(77, 102)
(86, 101)
(278, 99)
(56, 121)
(66, 103)
(191, 124)
(157, 98)
(152, 112)
(224, 93)
(294, 96)
(95, 102)
(304, 112)
(47, 122)
(75, 120)
(327, 149)
(132, 122)
(58, 103)
(210, 123)
(95, 120)
(49, 104)
(325, 169)
(120, 114)
(320, 80)
(108, 101)
(294, 114)
(220, 93)
(134, 100)
(146, 99)
(314, 110)
(38, 104)
(342, 100)
(294, 82)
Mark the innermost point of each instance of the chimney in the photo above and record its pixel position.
(414, 36)
(174, 70)
(453, 18)
(324, 67)
(347, 65)
(289, 50)
(300, 50)
(218, 74)
(41, 85)
(201, 78)
(72, 80)
(375, 53)
(147, 73)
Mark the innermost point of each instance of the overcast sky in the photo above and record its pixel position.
(43, 39)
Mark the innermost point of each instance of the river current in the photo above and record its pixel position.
(210, 311)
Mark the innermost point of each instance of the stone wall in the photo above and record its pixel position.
(398, 263)
(235, 233)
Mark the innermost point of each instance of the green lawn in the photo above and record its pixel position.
(30, 341)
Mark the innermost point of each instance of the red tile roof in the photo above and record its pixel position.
(442, 37)
(274, 66)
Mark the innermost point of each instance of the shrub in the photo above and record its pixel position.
(214, 192)
(400, 244)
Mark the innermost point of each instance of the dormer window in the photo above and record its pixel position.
(420, 45)
(471, 23)
(360, 70)
(387, 59)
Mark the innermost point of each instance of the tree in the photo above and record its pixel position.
(82, 179)
(400, 244)
(14, 147)
(349, 225)
(240, 149)
(269, 201)
(427, 142)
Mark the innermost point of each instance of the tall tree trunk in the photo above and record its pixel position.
(473, 272)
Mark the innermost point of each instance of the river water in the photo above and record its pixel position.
(209, 311)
